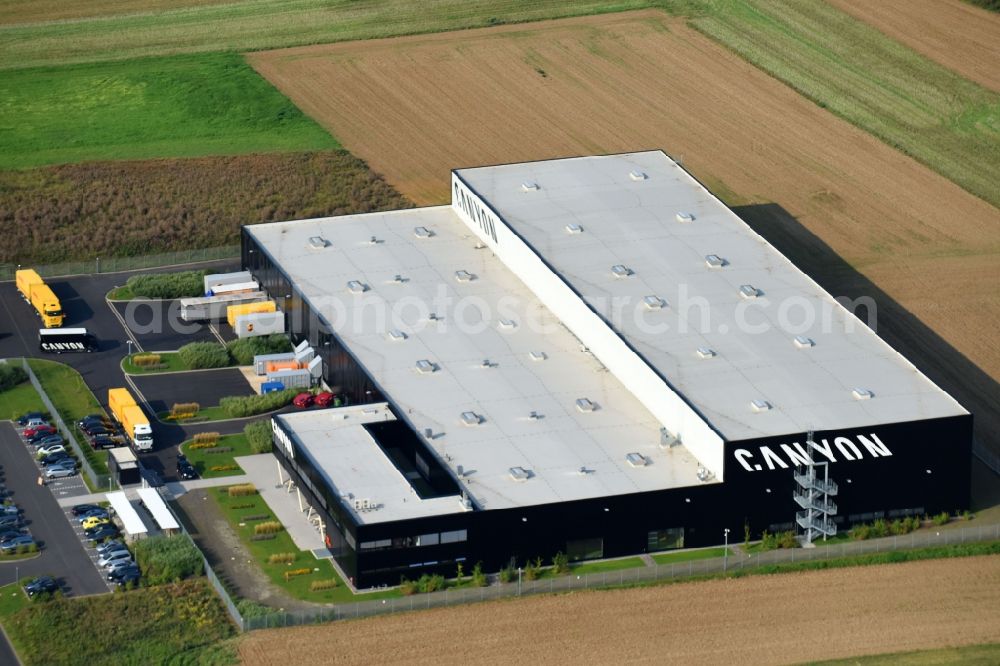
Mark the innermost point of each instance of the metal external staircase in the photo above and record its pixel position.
(812, 494)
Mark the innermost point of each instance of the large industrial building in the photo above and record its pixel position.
(589, 355)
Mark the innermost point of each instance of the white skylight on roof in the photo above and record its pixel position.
(519, 474)
(636, 459)
(422, 232)
(585, 405)
(508, 324)
(637, 175)
(529, 186)
(574, 228)
(397, 335)
(318, 242)
(862, 394)
(749, 291)
(653, 302)
(357, 287)
(684, 217)
(464, 276)
(715, 261)
(471, 418)
(760, 405)
(705, 352)
(425, 366)
(802, 342)
(537, 355)
(621, 271)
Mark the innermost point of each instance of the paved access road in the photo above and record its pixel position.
(62, 555)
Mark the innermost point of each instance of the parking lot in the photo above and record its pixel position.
(205, 387)
(157, 325)
(62, 555)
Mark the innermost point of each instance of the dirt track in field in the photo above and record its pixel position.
(416, 107)
(954, 33)
(789, 618)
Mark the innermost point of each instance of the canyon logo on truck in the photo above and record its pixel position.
(836, 449)
(59, 340)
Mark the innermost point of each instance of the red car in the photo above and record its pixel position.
(303, 400)
(324, 399)
(39, 430)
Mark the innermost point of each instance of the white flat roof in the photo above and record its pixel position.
(629, 211)
(126, 513)
(355, 466)
(157, 507)
(553, 447)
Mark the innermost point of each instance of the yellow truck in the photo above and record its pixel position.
(234, 311)
(132, 419)
(34, 290)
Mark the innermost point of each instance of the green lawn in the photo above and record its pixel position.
(203, 461)
(183, 106)
(297, 587)
(20, 400)
(170, 361)
(848, 67)
(122, 293)
(205, 415)
(607, 565)
(12, 599)
(72, 397)
(689, 555)
(258, 24)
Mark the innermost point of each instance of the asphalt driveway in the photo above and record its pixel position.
(206, 387)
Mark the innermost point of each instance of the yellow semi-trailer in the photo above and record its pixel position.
(132, 419)
(34, 290)
(234, 311)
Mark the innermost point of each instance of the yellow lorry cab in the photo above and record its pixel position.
(34, 290)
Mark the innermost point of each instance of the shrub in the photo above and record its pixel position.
(242, 351)
(224, 468)
(258, 435)
(459, 572)
(166, 559)
(860, 532)
(249, 405)
(297, 572)
(327, 584)
(506, 574)
(246, 505)
(11, 376)
(270, 527)
(262, 537)
(209, 438)
(202, 355)
(533, 569)
(249, 608)
(787, 540)
(479, 578)
(186, 284)
(241, 490)
(184, 410)
(407, 587)
(146, 360)
(560, 563)
(281, 558)
(942, 518)
(429, 583)
(256, 516)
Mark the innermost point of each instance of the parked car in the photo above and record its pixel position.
(50, 440)
(94, 521)
(81, 509)
(35, 421)
(105, 442)
(12, 545)
(108, 546)
(38, 431)
(55, 458)
(8, 533)
(125, 576)
(58, 472)
(97, 512)
(9, 509)
(94, 418)
(185, 469)
(102, 532)
(41, 585)
(97, 431)
(49, 449)
(324, 399)
(24, 419)
(114, 556)
(303, 400)
(10, 522)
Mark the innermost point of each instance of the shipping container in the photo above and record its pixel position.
(271, 387)
(291, 378)
(214, 307)
(259, 323)
(235, 288)
(220, 279)
(234, 311)
(260, 361)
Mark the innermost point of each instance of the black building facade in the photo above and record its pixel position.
(883, 471)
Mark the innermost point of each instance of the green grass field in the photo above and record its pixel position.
(71, 396)
(606, 565)
(20, 400)
(298, 586)
(182, 106)
(971, 655)
(258, 24)
(204, 462)
(910, 102)
(170, 361)
(690, 555)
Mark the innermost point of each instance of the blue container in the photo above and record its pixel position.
(270, 387)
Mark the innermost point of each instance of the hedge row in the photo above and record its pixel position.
(243, 351)
(187, 284)
(168, 559)
(11, 376)
(249, 405)
(202, 355)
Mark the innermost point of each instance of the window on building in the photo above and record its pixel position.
(672, 537)
(431, 539)
(585, 549)
(454, 536)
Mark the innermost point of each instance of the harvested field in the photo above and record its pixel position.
(106, 209)
(32, 11)
(961, 37)
(416, 107)
(754, 620)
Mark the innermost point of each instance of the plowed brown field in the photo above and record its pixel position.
(416, 107)
(756, 620)
(963, 38)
